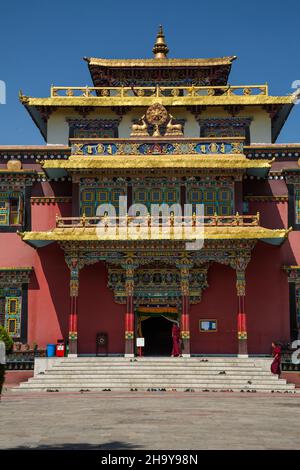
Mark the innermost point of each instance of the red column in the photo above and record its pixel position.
(185, 326)
(185, 314)
(129, 327)
(73, 315)
(129, 315)
(241, 316)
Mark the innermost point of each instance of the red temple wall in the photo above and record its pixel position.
(44, 214)
(48, 297)
(272, 214)
(98, 312)
(267, 305)
(14, 252)
(267, 300)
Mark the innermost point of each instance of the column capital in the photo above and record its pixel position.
(240, 261)
(74, 260)
(129, 263)
(184, 263)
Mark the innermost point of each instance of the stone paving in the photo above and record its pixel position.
(149, 420)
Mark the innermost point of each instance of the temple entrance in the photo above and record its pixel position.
(157, 332)
(154, 324)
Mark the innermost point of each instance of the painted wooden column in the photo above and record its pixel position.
(239, 263)
(241, 316)
(73, 314)
(129, 267)
(184, 266)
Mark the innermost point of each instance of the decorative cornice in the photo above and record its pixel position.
(286, 151)
(30, 153)
(50, 199)
(266, 198)
(11, 276)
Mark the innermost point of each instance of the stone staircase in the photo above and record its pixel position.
(155, 374)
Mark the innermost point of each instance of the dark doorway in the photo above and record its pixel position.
(157, 332)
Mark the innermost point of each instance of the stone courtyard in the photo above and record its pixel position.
(149, 420)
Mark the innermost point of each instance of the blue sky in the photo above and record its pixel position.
(43, 43)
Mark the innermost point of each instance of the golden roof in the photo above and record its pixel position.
(205, 100)
(163, 62)
(113, 234)
(213, 161)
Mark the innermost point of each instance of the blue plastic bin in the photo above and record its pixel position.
(51, 348)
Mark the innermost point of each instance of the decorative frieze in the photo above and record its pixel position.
(14, 276)
(128, 147)
(50, 199)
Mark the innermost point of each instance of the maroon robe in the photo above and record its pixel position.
(275, 366)
(176, 340)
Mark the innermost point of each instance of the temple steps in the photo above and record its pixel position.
(182, 374)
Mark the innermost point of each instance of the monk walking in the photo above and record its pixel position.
(176, 340)
(275, 366)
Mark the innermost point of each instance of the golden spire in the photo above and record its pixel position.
(160, 49)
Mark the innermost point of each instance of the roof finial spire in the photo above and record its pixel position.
(160, 49)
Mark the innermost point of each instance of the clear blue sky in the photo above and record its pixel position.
(43, 43)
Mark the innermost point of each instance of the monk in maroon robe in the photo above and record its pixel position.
(176, 340)
(276, 352)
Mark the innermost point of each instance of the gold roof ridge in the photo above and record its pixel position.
(162, 62)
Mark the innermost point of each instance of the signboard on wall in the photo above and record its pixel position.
(140, 342)
(207, 326)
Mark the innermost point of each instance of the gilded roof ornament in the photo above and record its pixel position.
(160, 49)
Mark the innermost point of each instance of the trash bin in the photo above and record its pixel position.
(60, 348)
(51, 350)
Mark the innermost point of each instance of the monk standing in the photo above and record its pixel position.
(176, 340)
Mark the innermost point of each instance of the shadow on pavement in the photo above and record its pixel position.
(112, 445)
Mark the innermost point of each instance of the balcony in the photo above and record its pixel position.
(127, 233)
(194, 220)
(158, 91)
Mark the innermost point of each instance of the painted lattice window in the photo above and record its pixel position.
(217, 199)
(93, 128)
(156, 195)
(11, 208)
(225, 127)
(92, 198)
(10, 310)
(297, 206)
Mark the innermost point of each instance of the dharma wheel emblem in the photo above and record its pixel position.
(157, 115)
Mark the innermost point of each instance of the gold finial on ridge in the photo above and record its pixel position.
(160, 49)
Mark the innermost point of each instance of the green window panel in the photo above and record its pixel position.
(11, 208)
(209, 209)
(209, 195)
(10, 310)
(156, 196)
(140, 196)
(90, 199)
(216, 200)
(163, 195)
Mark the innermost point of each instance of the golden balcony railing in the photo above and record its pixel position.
(194, 220)
(157, 91)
